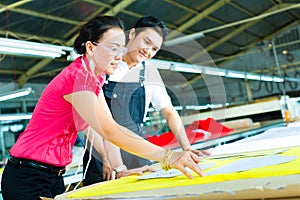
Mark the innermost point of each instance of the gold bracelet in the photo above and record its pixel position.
(165, 163)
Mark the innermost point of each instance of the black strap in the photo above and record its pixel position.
(142, 74)
(107, 77)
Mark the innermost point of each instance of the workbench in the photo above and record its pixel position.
(281, 181)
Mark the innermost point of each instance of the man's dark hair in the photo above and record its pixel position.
(151, 22)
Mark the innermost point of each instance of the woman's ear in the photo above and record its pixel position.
(89, 47)
(131, 33)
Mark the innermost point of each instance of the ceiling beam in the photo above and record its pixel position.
(252, 15)
(196, 12)
(198, 17)
(24, 77)
(119, 7)
(73, 32)
(7, 71)
(249, 13)
(13, 5)
(283, 67)
(243, 21)
(98, 3)
(270, 36)
(127, 12)
(190, 11)
(242, 28)
(30, 36)
(245, 51)
(37, 14)
(113, 11)
(48, 73)
(41, 15)
(138, 15)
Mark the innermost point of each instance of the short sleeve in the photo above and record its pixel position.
(155, 88)
(87, 81)
(160, 98)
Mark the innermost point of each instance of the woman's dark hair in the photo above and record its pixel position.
(152, 22)
(94, 30)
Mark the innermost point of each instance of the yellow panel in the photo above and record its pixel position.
(131, 184)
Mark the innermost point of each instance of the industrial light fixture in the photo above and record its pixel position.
(207, 106)
(214, 72)
(278, 79)
(34, 49)
(191, 68)
(13, 117)
(15, 94)
(178, 107)
(186, 69)
(184, 39)
(266, 78)
(252, 77)
(232, 74)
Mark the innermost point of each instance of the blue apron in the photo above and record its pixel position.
(126, 101)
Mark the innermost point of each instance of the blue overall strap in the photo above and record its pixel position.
(142, 74)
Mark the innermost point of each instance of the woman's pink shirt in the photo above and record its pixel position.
(52, 131)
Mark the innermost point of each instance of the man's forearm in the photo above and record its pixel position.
(176, 126)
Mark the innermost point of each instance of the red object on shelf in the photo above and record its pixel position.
(211, 126)
(197, 131)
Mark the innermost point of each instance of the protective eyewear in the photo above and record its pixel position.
(114, 51)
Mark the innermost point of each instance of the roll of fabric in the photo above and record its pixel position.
(239, 123)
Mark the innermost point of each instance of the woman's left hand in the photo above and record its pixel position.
(135, 171)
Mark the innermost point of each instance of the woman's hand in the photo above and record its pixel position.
(180, 160)
(135, 171)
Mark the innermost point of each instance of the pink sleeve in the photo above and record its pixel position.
(86, 81)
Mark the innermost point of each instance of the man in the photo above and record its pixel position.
(129, 92)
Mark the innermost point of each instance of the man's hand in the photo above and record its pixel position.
(107, 172)
(201, 153)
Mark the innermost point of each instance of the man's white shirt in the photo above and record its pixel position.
(155, 90)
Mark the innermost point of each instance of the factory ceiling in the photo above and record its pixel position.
(225, 29)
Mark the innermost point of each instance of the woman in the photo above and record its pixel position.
(72, 101)
(129, 92)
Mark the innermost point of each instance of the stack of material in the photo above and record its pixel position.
(241, 124)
